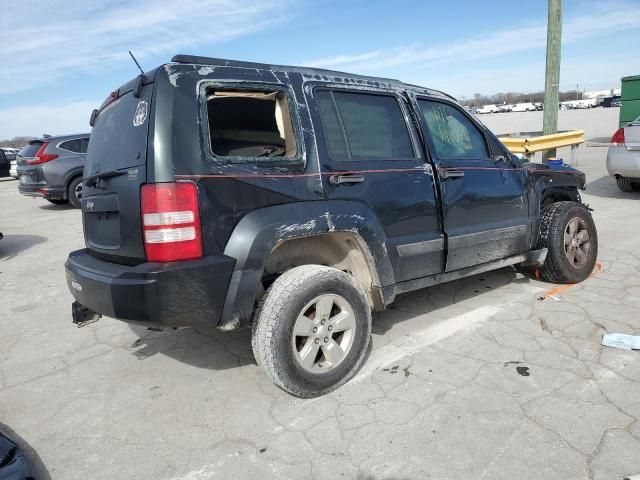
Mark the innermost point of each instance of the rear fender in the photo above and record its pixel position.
(255, 236)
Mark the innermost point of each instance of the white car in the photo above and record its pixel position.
(488, 109)
(524, 107)
(623, 157)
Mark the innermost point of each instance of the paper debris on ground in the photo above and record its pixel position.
(621, 340)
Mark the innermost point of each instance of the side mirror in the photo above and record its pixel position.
(94, 115)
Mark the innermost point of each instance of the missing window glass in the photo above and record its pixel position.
(250, 124)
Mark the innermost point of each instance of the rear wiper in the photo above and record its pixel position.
(94, 177)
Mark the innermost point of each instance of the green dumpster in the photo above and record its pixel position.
(630, 109)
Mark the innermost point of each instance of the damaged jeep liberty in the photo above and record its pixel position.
(297, 201)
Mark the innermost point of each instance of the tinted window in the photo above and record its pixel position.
(333, 133)
(71, 145)
(30, 150)
(452, 133)
(373, 124)
(115, 142)
(84, 143)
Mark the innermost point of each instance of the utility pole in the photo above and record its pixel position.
(552, 74)
(577, 98)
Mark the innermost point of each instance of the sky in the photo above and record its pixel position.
(67, 55)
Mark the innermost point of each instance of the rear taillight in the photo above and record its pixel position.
(171, 222)
(40, 156)
(618, 137)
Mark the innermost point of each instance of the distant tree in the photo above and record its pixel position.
(16, 142)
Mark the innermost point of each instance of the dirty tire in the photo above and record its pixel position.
(57, 201)
(625, 184)
(275, 317)
(555, 219)
(71, 192)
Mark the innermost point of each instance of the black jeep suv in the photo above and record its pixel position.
(296, 201)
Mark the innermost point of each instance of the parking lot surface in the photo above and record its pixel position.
(473, 379)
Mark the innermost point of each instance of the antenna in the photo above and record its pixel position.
(136, 62)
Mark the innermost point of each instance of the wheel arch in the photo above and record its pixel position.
(351, 236)
(558, 194)
(69, 177)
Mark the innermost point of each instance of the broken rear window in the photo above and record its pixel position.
(250, 124)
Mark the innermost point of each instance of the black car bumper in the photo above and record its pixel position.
(44, 191)
(176, 294)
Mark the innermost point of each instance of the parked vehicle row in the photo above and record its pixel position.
(296, 201)
(518, 107)
(8, 161)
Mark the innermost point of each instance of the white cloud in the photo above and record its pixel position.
(603, 19)
(54, 119)
(88, 38)
(341, 60)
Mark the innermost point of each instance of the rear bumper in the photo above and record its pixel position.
(176, 294)
(624, 162)
(44, 191)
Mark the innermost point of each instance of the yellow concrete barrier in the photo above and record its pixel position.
(529, 146)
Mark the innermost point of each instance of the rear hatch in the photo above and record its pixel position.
(28, 174)
(114, 170)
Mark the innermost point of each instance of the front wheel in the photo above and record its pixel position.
(568, 232)
(311, 330)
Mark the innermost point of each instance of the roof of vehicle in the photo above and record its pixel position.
(54, 138)
(310, 71)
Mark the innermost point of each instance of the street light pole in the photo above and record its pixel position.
(552, 74)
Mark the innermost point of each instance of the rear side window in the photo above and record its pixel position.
(250, 124)
(361, 126)
(77, 145)
(452, 133)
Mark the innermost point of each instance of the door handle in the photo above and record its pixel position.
(445, 174)
(339, 179)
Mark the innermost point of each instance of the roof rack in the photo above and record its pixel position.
(195, 59)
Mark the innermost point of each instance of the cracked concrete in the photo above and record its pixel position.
(114, 401)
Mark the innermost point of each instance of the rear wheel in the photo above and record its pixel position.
(56, 201)
(311, 330)
(625, 184)
(569, 233)
(74, 192)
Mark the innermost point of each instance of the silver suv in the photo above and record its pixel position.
(51, 167)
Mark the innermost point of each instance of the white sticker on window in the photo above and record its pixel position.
(141, 113)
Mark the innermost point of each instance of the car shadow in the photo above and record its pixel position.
(7, 179)
(39, 469)
(51, 206)
(606, 187)
(429, 300)
(213, 349)
(11, 245)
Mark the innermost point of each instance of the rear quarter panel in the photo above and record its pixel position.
(60, 171)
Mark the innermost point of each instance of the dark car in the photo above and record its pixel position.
(14, 464)
(51, 167)
(297, 201)
(5, 163)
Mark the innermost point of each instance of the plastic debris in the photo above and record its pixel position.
(621, 340)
